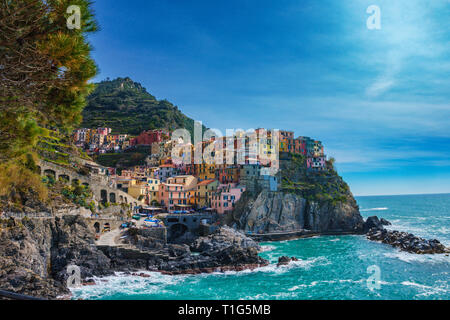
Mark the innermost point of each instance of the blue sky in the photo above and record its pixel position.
(378, 99)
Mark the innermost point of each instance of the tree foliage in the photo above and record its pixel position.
(44, 73)
(45, 68)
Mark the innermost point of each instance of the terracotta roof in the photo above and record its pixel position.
(205, 182)
(167, 166)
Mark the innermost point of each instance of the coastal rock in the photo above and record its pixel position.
(34, 255)
(221, 239)
(373, 223)
(272, 212)
(229, 247)
(407, 241)
(225, 249)
(284, 260)
(384, 222)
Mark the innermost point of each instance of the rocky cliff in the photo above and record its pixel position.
(284, 212)
(34, 254)
(316, 201)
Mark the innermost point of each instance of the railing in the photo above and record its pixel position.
(17, 296)
(21, 215)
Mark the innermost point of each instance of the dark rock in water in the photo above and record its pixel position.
(373, 223)
(229, 247)
(407, 241)
(226, 249)
(384, 222)
(284, 260)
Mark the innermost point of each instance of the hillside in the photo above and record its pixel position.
(127, 107)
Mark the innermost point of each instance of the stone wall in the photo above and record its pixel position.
(103, 189)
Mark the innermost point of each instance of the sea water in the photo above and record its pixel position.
(329, 267)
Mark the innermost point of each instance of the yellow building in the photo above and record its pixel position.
(200, 195)
(205, 171)
(138, 191)
(146, 191)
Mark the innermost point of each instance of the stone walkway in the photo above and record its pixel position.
(108, 238)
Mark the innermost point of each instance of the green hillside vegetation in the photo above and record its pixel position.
(315, 186)
(128, 158)
(127, 107)
(56, 147)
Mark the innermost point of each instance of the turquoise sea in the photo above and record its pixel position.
(329, 267)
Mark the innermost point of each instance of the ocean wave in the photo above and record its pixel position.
(421, 258)
(315, 283)
(270, 296)
(125, 284)
(428, 231)
(265, 248)
(374, 209)
(274, 269)
(440, 288)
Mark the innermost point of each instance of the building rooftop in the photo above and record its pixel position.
(205, 182)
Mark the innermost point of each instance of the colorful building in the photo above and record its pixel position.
(286, 141)
(225, 197)
(227, 174)
(166, 171)
(200, 196)
(149, 137)
(175, 192)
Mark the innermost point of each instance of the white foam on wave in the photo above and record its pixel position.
(302, 264)
(125, 284)
(272, 296)
(275, 270)
(440, 288)
(421, 258)
(425, 231)
(266, 248)
(374, 209)
(315, 283)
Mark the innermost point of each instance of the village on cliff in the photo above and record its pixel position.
(176, 185)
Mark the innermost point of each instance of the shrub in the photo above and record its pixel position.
(18, 184)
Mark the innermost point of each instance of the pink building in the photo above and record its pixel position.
(224, 199)
(104, 131)
(175, 193)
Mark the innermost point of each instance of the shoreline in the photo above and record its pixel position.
(275, 237)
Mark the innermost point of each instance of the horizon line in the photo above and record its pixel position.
(402, 194)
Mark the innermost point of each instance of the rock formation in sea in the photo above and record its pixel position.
(405, 241)
(320, 202)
